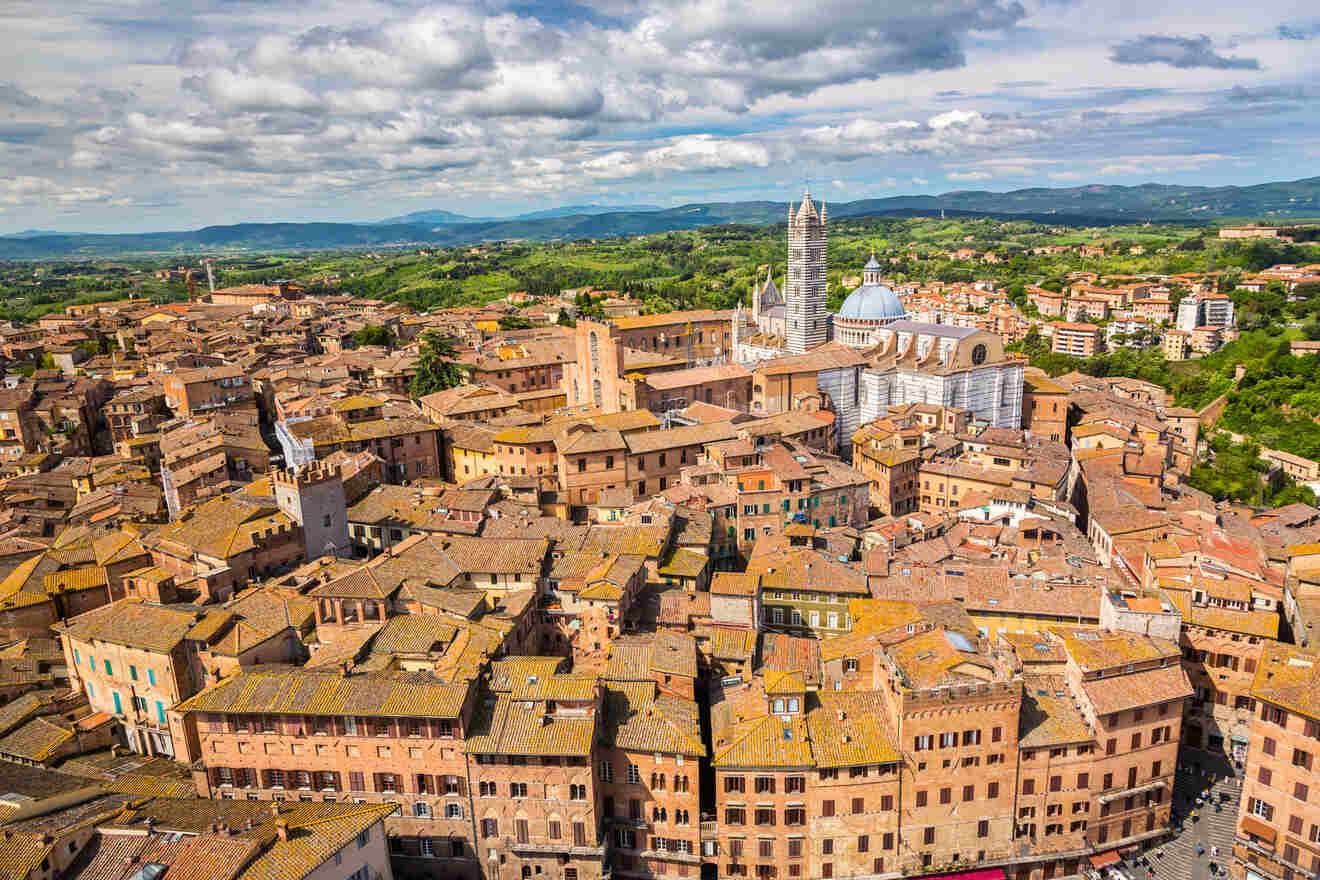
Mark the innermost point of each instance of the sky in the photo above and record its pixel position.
(137, 115)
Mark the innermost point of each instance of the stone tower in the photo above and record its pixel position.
(805, 294)
(314, 498)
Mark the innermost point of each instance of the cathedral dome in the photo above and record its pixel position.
(872, 302)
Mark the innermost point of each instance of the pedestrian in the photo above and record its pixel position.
(1200, 850)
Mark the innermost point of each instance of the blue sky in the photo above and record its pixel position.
(125, 115)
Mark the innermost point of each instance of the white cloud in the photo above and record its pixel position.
(248, 104)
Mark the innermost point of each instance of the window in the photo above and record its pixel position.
(490, 828)
(606, 771)
(863, 843)
(921, 798)
(108, 669)
(928, 836)
(858, 805)
(453, 811)
(132, 672)
(992, 790)
(634, 774)
(946, 795)
(422, 810)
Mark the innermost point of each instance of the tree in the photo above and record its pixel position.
(373, 334)
(437, 368)
(515, 322)
(565, 319)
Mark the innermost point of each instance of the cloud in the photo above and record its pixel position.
(1159, 164)
(1305, 31)
(1181, 52)
(13, 96)
(19, 190)
(236, 92)
(230, 109)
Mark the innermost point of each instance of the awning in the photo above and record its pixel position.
(1242, 740)
(982, 874)
(1104, 859)
(1257, 828)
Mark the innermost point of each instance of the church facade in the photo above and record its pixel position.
(945, 366)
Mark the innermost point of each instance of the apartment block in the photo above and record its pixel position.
(1078, 340)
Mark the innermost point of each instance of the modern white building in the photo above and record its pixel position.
(1205, 310)
(944, 366)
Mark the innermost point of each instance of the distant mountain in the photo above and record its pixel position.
(30, 233)
(584, 210)
(1082, 205)
(437, 218)
(449, 218)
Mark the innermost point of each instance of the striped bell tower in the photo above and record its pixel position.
(805, 293)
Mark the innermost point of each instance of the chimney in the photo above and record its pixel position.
(282, 829)
(274, 808)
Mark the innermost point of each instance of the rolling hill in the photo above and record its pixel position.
(1087, 205)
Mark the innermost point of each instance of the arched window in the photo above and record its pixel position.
(595, 352)
(595, 392)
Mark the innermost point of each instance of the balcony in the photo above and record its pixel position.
(710, 830)
(671, 856)
(558, 848)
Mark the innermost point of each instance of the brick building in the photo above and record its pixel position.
(1278, 823)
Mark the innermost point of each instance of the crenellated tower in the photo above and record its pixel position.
(805, 290)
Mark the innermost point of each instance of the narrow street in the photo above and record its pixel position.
(1214, 829)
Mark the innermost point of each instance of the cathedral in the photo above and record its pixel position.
(902, 361)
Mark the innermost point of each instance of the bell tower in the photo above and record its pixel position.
(805, 295)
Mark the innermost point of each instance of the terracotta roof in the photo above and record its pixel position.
(1094, 649)
(513, 727)
(848, 730)
(136, 624)
(1136, 689)
(1049, 714)
(636, 718)
(36, 740)
(1287, 676)
(313, 692)
(728, 583)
